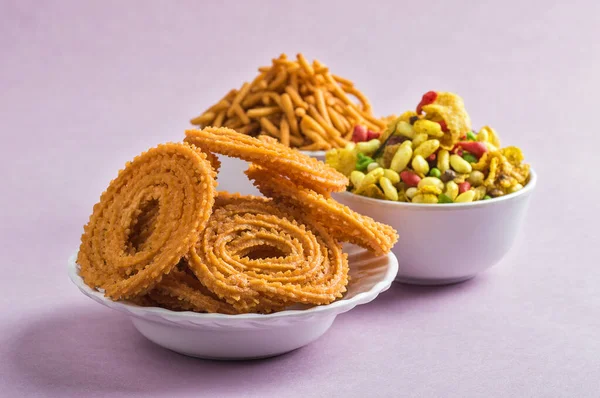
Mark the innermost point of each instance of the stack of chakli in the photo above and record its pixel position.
(162, 235)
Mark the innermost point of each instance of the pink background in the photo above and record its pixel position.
(84, 86)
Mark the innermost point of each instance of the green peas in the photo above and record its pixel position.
(435, 172)
(362, 162)
(487, 197)
(443, 198)
(471, 136)
(469, 157)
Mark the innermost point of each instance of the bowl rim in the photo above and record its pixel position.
(341, 305)
(527, 189)
(314, 154)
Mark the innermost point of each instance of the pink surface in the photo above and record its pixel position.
(84, 86)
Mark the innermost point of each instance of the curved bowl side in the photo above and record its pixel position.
(235, 344)
(370, 276)
(442, 244)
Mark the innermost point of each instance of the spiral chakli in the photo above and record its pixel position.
(214, 161)
(342, 222)
(260, 258)
(146, 220)
(301, 169)
(182, 291)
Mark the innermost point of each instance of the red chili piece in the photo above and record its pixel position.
(372, 134)
(464, 187)
(475, 147)
(444, 125)
(431, 157)
(359, 134)
(410, 179)
(428, 98)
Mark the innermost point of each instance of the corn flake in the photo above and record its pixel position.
(451, 109)
(341, 159)
(372, 191)
(513, 155)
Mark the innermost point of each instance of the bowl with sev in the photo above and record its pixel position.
(301, 104)
(298, 103)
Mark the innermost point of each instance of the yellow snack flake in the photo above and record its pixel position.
(436, 147)
(450, 108)
(372, 191)
(513, 155)
(341, 159)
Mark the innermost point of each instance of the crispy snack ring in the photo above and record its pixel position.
(301, 169)
(182, 291)
(343, 223)
(146, 220)
(258, 258)
(225, 198)
(214, 161)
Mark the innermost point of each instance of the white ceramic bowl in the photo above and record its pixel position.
(246, 336)
(449, 243)
(232, 178)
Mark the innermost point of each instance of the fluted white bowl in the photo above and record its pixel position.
(247, 336)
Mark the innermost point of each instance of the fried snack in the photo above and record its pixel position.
(214, 161)
(450, 109)
(343, 223)
(303, 105)
(301, 169)
(260, 258)
(225, 198)
(432, 156)
(146, 220)
(181, 291)
(143, 301)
